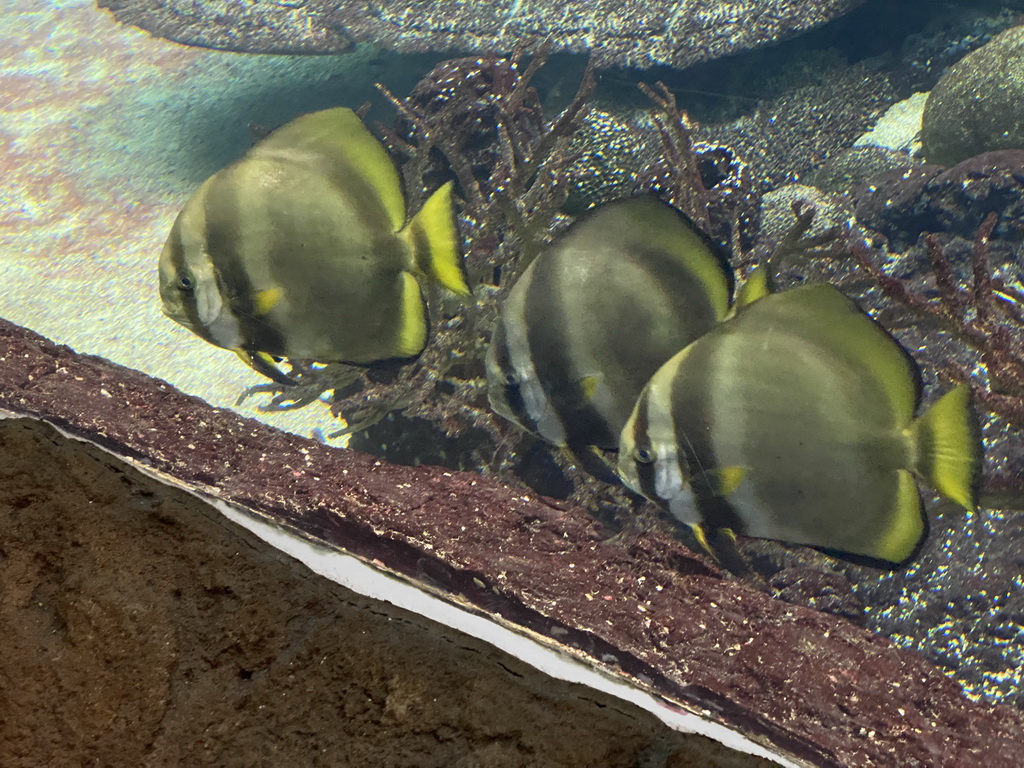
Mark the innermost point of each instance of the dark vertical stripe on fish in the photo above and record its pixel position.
(645, 470)
(694, 422)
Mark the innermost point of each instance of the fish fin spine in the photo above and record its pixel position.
(412, 331)
(434, 240)
(947, 447)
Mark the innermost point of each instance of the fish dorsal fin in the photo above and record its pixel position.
(339, 135)
(755, 287)
(822, 313)
(948, 447)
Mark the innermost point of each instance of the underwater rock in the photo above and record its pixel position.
(621, 33)
(975, 106)
(851, 167)
(811, 684)
(817, 112)
(831, 212)
(899, 128)
(926, 198)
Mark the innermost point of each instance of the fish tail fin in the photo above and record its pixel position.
(948, 447)
(434, 240)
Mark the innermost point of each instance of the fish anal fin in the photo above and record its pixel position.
(947, 447)
(907, 526)
(434, 241)
(412, 331)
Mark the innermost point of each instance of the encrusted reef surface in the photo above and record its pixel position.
(813, 684)
(619, 32)
(142, 628)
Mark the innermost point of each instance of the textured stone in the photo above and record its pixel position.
(975, 106)
(634, 33)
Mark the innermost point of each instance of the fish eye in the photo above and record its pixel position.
(644, 456)
(185, 282)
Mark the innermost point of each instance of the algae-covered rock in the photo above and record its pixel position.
(975, 107)
(631, 33)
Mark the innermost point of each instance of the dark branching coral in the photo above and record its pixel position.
(708, 183)
(985, 314)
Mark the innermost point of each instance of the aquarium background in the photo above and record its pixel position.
(106, 131)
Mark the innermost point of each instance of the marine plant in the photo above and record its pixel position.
(984, 313)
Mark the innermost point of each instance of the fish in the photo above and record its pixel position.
(796, 421)
(594, 315)
(302, 249)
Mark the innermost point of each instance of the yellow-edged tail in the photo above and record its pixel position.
(948, 443)
(434, 240)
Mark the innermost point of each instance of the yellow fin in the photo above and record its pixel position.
(907, 523)
(267, 300)
(263, 364)
(755, 287)
(412, 335)
(720, 543)
(340, 133)
(434, 241)
(589, 385)
(948, 447)
(727, 479)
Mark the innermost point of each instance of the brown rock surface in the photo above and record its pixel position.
(810, 683)
(142, 628)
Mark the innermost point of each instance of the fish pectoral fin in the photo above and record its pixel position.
(590, 459)
(726, 480)
(264, 364)
(755, 287)
(720, 543)
(266, 300)
(588, 386)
